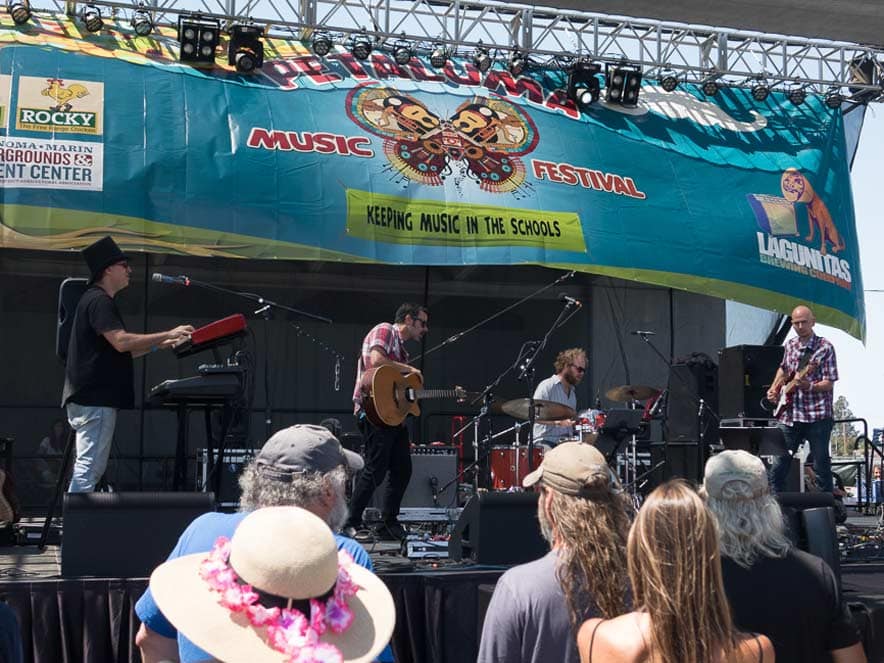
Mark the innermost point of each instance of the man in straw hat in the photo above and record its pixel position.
(303, 466)
(99, 377)
(538, 607)
(279, 590)
(786, 594)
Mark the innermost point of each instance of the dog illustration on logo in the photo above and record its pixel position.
(62, 94)
(796, 189)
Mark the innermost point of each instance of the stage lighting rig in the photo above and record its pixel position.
(142, 22)
(245, 50)
(623, 83)
(402, 52)
(439, 56)
(710, 87)
(90, 15)
(360, 46)
(482, 59)
(322, 44)
(518, 63)
(834, 98)
(669, 81)
(19, 10)
(797, 94)
(198, 37)
(583, 83)
(760, 90)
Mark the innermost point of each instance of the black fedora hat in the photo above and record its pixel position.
(102, 254)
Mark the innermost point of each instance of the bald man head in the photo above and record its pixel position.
(803, 321)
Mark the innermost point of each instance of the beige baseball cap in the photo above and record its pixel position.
(573, 468)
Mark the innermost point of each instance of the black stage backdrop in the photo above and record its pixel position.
(93, 620)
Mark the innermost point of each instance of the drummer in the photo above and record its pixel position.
(570, 368)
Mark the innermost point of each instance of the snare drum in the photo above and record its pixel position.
(589, 421)
(503, 466)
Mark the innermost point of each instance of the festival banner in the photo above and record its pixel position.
(372, 161)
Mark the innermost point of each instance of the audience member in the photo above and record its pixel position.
(787, 594)
(537, 607)
(278, 590)
(298, 466)
(681, 612)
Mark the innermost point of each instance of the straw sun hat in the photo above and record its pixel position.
(287, 556)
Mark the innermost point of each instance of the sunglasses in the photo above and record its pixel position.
(579, 369)
(424, 323)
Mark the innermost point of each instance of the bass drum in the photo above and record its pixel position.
(503, 466)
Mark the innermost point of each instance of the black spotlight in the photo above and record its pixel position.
(583, 83)
(20, 10)
(142, 22)
(669, 81)
(91, 17)
(360, 46)
(198, 37)
(622, 84)
(245, 50)
(710, 87)
(482, 59)
(322, 44)
(834, 98)
(518, 63)
(760, 91)
(439, 57)
(797, 95)
(402, 52)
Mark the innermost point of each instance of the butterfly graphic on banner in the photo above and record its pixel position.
(483, 139)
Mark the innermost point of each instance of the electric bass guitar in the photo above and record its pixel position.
(388, 396)
(786, 390)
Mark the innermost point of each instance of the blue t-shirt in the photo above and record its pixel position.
(200, 536)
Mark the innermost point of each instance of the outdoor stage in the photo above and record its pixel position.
(437, 606)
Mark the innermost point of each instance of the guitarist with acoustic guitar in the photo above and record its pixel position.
(802, 394)
(386, 448)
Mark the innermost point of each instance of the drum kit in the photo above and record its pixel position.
(509, 463)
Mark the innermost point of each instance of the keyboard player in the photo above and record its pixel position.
(99, 372)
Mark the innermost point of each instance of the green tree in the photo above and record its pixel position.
(843, 435)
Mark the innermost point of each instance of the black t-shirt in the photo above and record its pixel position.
(96, 374)
(794, 602)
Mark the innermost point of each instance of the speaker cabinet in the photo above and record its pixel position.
(431, 469)
(744, 374)
(124, 535)
(688, 383)
(69, 293)
(498, 528)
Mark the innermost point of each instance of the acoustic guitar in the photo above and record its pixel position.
(388, 396)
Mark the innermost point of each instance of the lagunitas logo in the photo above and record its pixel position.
(59, 106)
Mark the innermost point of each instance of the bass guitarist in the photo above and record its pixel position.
(385, 448)
(807, 376)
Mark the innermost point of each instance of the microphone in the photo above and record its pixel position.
(434, 486)
(639, 332)
(170, 280)
(570, 301)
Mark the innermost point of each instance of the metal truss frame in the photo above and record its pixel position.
(550, 38)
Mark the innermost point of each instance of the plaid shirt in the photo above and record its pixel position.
(386, 338)
(808, 406)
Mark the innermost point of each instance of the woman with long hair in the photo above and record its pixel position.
(682, 614)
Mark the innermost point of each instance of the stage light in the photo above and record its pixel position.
(20, 11)
(142, 22)
(245, 50)
(91, 18)
(797, 95)
(360, 46)
(439, 57)
(669, 81)
(834, 98)
(322, 44)
(583, 83)
(710, 87)
(482, 59)
(622, 84)
(198, 37)
(518, 63)
(402, 52)
(760, 91)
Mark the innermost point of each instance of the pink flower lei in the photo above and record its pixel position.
(288, 631)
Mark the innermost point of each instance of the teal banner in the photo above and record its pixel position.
(333, 158)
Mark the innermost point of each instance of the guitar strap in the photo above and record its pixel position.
(804, 360)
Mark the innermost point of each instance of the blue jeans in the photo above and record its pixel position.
(815, 432)
(94, 426)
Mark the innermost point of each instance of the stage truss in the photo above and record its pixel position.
(551, 39)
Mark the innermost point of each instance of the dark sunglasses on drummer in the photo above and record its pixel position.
(580, 369)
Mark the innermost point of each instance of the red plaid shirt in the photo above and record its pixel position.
(386, 338)
(808, 406)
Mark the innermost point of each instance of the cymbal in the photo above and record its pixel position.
(631, 392)
(545, 410)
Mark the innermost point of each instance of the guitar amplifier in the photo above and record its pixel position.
(432, 468)
(234, 462)
(745, 373)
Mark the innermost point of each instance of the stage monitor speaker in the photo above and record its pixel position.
(498, 528)
(689, 382)
(685, 460)
(124, 535)
(69, 293)
(431, 469)
(810, 519)
(745, 372)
